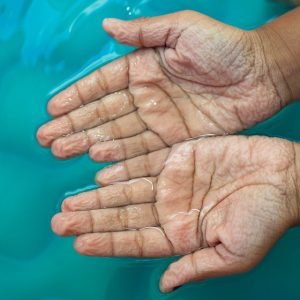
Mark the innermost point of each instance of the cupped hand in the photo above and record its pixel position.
(221, 202)
(192, 76)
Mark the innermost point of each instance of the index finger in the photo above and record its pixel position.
(108, 79)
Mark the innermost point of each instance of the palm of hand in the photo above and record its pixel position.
(221, 202)
(197, 84)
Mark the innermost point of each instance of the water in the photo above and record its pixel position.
(44, 45)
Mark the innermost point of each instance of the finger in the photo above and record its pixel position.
(140, 144)
(108, 79)
(78, 143)
(149, 165)
(201, 265)
(105, 220)
(151, 32)
(147, 242)
(132, 192)
(93, 114)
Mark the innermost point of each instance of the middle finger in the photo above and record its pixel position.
(135, 191)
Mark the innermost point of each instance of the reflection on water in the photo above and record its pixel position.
(44, 46)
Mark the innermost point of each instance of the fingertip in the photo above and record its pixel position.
(109, 23)
(104, 152)
(173, 277)
(93, 153)
(69, 146)
(64, 102)
(111, 174)
(105, 177)
(57, 149)
(100, 179)
(52, 108)
(42, 136)
(54, 129)
(57, 224)
(79, 245)
(88, 245)
(65, 206)
(163, 286)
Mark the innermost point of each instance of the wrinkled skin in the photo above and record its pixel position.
(222, 202)
(192, 76)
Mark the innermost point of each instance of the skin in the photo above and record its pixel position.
(221, 202)
(202, 76)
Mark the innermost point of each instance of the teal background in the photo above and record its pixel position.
(44, 46)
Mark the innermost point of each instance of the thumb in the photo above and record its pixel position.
(200, 265)
(151, 32)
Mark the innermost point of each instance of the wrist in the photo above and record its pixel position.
(281, 51)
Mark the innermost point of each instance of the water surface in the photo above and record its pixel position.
(44, 46)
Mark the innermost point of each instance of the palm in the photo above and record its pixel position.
(209, 192)
(205, 80)
(224, 200)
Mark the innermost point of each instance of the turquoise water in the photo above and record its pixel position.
(44, 45)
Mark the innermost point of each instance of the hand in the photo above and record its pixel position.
(194, 76)
(220, 202)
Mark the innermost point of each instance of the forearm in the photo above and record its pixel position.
(281, 47)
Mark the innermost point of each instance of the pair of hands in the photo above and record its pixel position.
(222, 202)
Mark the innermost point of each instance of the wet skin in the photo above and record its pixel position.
(222, 202)
(193, 76)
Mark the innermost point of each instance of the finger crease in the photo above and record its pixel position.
(139, 240)
(80, 97)
(146, 165)
(154, 187)
(115, 129)
(123, 217)
(155, 214)
(71, 123)
(128, 69)
(101, 117)
(128, 95)
(144, 143)
(92, 220)
(98, 197)
(128, 193)
(126, 168)
(141, 36)
(123, 148)
(168, 34)
(88, 139)
(103, 84)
